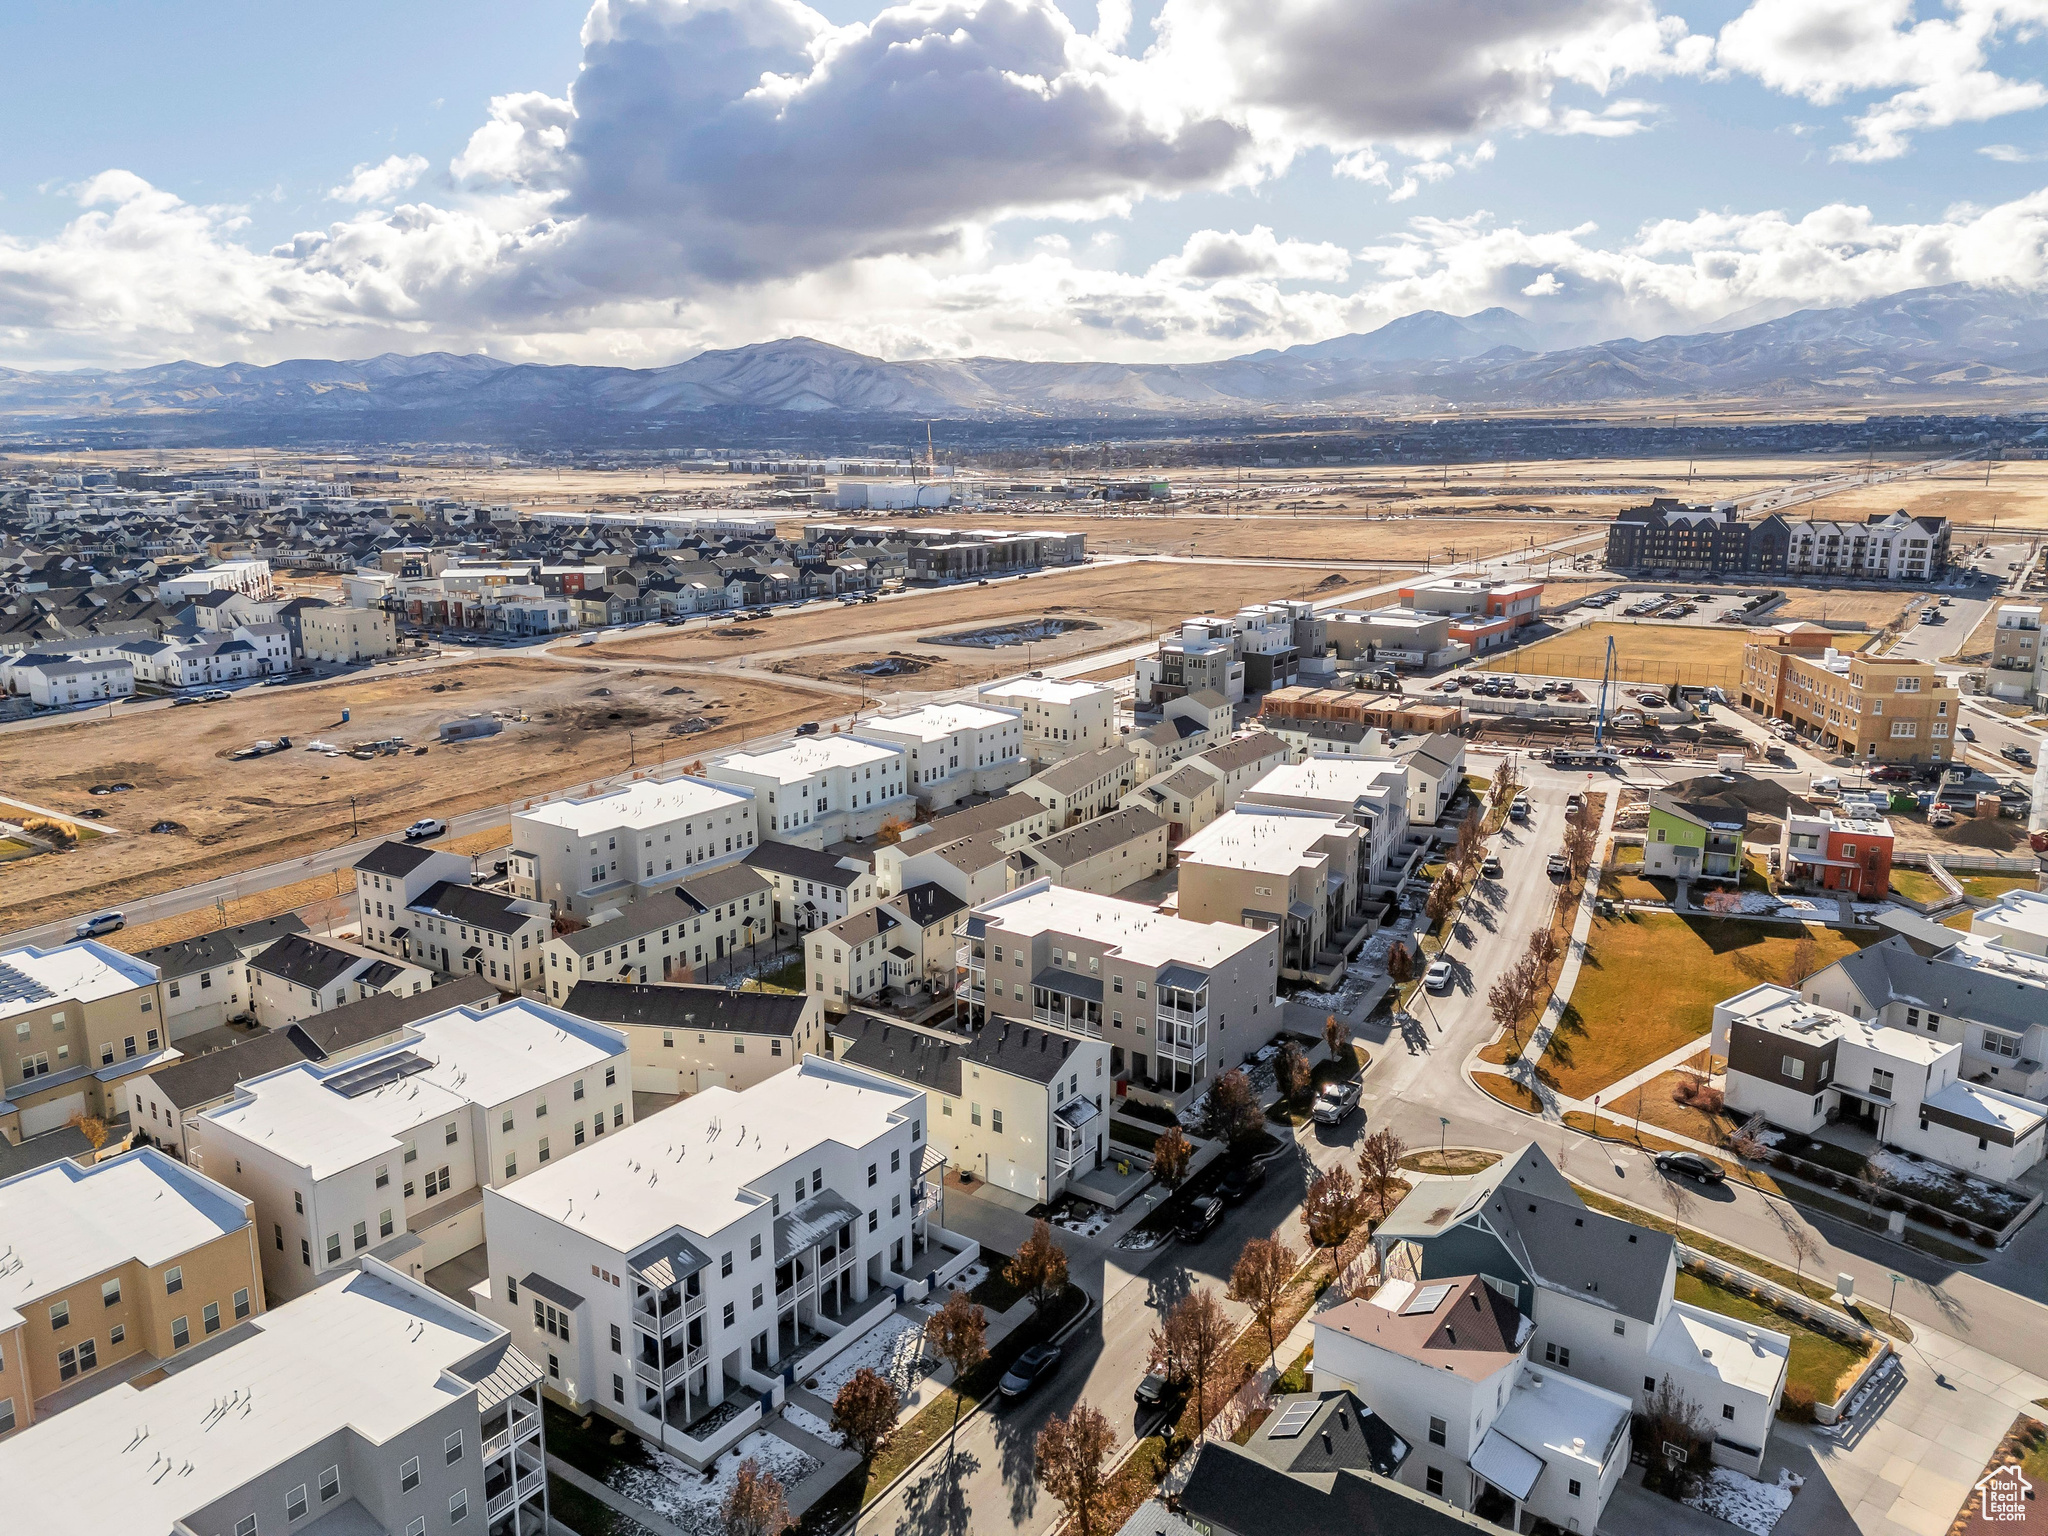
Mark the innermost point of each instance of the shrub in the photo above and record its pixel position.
(1962, 1228)
(1796, 1405)
(1685, 1090)
(1985, 1239)
(1711, 1099)
(56, 832)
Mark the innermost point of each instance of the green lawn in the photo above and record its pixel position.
(1820, 1362)
(1915, 885)
(1649, 983)
(1990, 887)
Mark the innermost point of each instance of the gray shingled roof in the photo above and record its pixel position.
(1096, 837)
(394, 858)
(686, 1007)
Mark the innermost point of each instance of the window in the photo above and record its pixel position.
(117, 1334)
(181, 1332)
(728, 1314)
(1559, 1355)
(543, 1149)
(383, 1175)
(512, 1290)
(448, 1134)
(725, 1264)
(995, 1121)
(511, 1165)
(1573, 1485)
(618, 1389)
(974, 1113)
(1792, 1067)
(174, 1280)
(330, 1484)
(757, 1298)
(551, 1320)
(60, 1315)
(209, 1318)
(409, 1476)
(871, 1175)
(451, 1448)
(1433, 1482)
(1438, 1430)
(874, 1221)
(362, 1235)
(1620, 1328)
(1880, 1083)
(241, 1305)
(295, 1503)
(246, 1526)
(576, 1089)
(618, 1341)
(334, 1247)
(458, 1506)
(1728, 1411)
(2000, 1044)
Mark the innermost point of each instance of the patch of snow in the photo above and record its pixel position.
(1771, 1138)
(694, 1501)
(1083, 1225)
(1743, 1502)
(893, 1348)
(1139, 1241)
(1909, 1175)
(807, 1421)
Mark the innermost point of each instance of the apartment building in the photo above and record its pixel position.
(1103, 856)
(808, 887)
(1184, 797)
(75, 1022)
(1277, 869)
(386, 1153)
(458, 929)
(162, 1098)
(1190, 724)
(1694, 839)
(205, 979)
(1371, 795)
(344, 636)
(824, 789)
(975, 868)
(1876, 709)
(1436, 772)
(2019, 659)
(1060, 718)
(1196, 659)
(113, 1269)
(1831, 852)
(1805, 1066)
(1083, 786)
(59, 682)
(901, 944)
(1885, 546)
(1020, 1108)
(955, 750)
(1162, 991)
(685, 1038)
(372, 1404)
(686, 1258)
(580, 856)
(1597, 1296)
(389, 879)
(300, 976)
(678, 934)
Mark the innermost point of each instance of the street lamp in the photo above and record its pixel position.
(1892, 1307)
(1443, 1131)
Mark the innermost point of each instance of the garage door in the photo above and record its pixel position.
(53, 1113)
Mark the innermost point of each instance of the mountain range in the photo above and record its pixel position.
(1922, 344)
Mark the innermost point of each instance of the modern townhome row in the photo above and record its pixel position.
(1060, 719)
(902, 946)
(582, 855)
(1516, 1330)
(682, 932)
(679, 1265)
(1274, 868)
(206, 979)
(76, 1021)
(371, 1404)
(387, 1153)
(299, 976)
(684, 1039)
(110, 1271)
(417, 903)
(1161, 991)
(824, 789)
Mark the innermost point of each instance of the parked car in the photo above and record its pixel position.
(106, 922)
(1554, 866)
(2012, 752)
(1200, 1217)
(1490, 866)
(1629, 718)
(425, 827)
(188, 698)
(1029, 1369)
(1240, 1182)
(1826, 784)
(215, 696)
(1519, 811)
(1336, 1101)
(808, 728)
(1438, 977)
(1890, 773)
(1966, 733)
(1157, 1389)
(1693, 1166)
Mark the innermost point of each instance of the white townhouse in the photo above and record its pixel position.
(1060, 718)
(387, 1153)
(582, 855)
(824, 789)
(389, 879)
(1373, 796)
(956, 750)
(299, 976)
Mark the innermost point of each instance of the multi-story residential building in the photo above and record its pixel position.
(975, 868)
(1060, 718)
(1199, 657)
(458, 929)
(1597, 1296)
(1985, 990)
(1436, 772)
(163, 1098)
(389, 879)
(1448, 1367)
(1162, 991)
(1831, 852)
(1010, 819)
(2019, 659)
(387, 1152)
(1271, 867)
(55, 682)
(1184, 797)
(580, 856)
(1326, 738)
(345, 636)
(904, 943)
(299, 976)
(1877, 709)
(1886, 546)
(1698, 839)
(1023, 1109)
(808, 887)
(677, 935)
(685, 1038)
(1265, 641)
(75, 1022)
(955, 750)
(1369, 795)
(205, 980)
(372, 1404)
(824, 790)
(1804, 1066)
(1104, 855)
(1083, 786)
(680, 1262)
(111, 1270)
(1192, 723)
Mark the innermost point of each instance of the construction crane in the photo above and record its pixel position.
(1606, 678)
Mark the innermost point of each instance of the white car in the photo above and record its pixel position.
(1438, 977)
(106, 922)
(425, 827)
(1826, 786)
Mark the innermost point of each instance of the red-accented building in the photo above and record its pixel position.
(1837, 853)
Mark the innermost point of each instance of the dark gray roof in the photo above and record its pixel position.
(686, 1007)
(1233, 1493)
(1923, 935)
(1893, 970)
(931, 1057)
(466, 904)
(802, 864)
(1097, 837)
(862, 926)
(1708, 813)
(1074, 774)
(560, 1295)
(304, 961)
(1245, 750)
(928, 904)
(223, 946)
(988, 816)
(1341, 1433)
(343, 1029)
(202, 1079)
(380, 973)
(394, 858)
(61, 1145)
(1569, 1247)
(716, 887)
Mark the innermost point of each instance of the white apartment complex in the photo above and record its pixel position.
(1372, 795)
(1060, 718)
(1276, 868)
(823, 790)
(582, 855)
(955, 750)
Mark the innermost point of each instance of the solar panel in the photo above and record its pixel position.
(20, 987)
(1293, 1419)
(381, 1073)
(1426, 1300)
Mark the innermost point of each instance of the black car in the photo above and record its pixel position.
(1201, 1216)
(1031, 1367)
(1157, 1389)
(1241, 1181)
(1692, 1166)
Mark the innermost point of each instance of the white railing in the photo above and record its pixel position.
(849, 1334)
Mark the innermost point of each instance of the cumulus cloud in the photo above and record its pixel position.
(2008, 154)
(1936, 67)
(1213, 254)
(376, 183)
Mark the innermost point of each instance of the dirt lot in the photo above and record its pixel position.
(236, 815)
(1876, 609)
(2016, 499)
(1697, 655)
(1327, 533)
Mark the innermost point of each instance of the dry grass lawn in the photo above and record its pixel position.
(1876, 609)
(1509, 1092)
(1655, 1106)
(1649, 983)
(1695, 654)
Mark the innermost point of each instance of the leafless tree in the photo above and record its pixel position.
(1291, 1071)
(1337, 1034)
(1233, 1113)
(1543, 947)
(1509, 998)
(1189, 1344)
(1260, 1281)
(1072, 1456)
(1332, 1208)
(958, 1334)
(1379, 1169)
(1803, 961)
(756, 1504)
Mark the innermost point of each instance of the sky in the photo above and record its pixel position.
(636, 181)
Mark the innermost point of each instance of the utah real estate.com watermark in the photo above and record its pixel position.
(2003, 1495)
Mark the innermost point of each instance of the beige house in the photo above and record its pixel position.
(685, 1039)
(1082, 787)
(678, 934)
(1192, 723)
(808, 887)
(347, 634)
(955, 750)
(1012, 819)
(112, 1269)
(75, 1021)
(1103, 855)
(1184, 797)
(903, 943)
(1875, 709)
(299, 976)
(1275, 868)
(974, 868)
(1061, 719)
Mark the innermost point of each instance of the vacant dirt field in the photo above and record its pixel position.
(1876, 609)
(1697, 655)
(2015, 500)
(235, 815)
(1313, 535)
